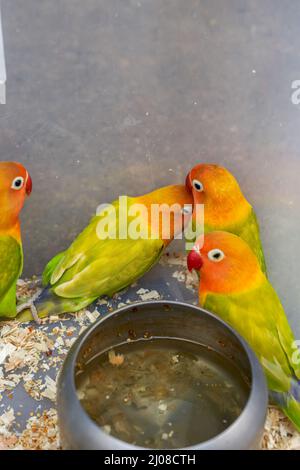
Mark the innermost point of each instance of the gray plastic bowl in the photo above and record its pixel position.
(163, 319)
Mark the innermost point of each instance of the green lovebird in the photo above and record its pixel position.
(122, 241)
(15, 185)
(225, 206)
(233, 286)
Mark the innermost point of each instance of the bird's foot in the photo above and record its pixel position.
(30, 305)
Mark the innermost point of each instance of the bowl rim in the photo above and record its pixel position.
(258, 381)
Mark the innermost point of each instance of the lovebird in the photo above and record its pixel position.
(95, 264)
(233, 286)
(225, 206)
(15, 185)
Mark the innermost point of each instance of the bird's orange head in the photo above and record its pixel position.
(226, 264)
(219, 191)
(15, 185)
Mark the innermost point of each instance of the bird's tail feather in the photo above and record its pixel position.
(49, 303)
(289, 402)
(293, 412)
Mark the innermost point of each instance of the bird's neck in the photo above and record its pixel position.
(219, 285)
(11, 230)
(226, 212)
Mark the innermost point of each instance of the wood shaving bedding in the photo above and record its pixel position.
(31, 356)
(146, 294)
(279, 432)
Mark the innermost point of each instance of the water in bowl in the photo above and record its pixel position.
(162, 393)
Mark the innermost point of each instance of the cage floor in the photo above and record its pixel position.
(32, 355)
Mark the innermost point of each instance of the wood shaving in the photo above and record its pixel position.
(279, 432)
(7, 418)
(146, 294)
(189, 278)
(5, 351)
(121, 304)
(183, 275)
(49, 389)
(142, 291)
(40, 433)
(115, 359)
(173, 259)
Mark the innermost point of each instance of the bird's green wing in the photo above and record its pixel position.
(93, 266)
(84, 242)
(47, 273)
(249, 231)
(259, 317)
(11, 261)
(117, 264)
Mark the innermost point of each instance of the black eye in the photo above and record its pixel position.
(17, 183)
(197, 185)
(216, 255)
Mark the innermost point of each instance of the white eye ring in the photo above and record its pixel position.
(216, 255)
(17, 183)
(197, 185)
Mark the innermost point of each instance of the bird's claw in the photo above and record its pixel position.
(30, 305)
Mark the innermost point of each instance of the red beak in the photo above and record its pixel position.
(28, 185)
(194, 260)
(188, 183)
